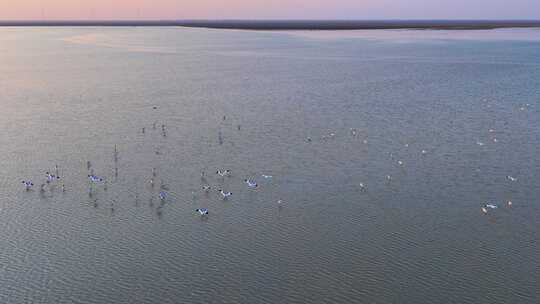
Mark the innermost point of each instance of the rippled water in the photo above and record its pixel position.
(69, 95)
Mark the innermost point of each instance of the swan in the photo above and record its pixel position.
(251, 183)
(362, 186)
(223, 173)
(514, 179)
(28, 184)
(202, 211)
(225, 194)
(51, 177)
(94, 178)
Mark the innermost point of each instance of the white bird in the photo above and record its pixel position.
(251, 183)
(362, 186)
(479, 143)
(202, 211)
(51, 177)
(509, 203)
(223, 173)
(94, 178)
(424, 152)
(400, 163)
(511, 178)
(491, 206)
(484, 209)
(266, 176)
(225, 194)
(28, 184)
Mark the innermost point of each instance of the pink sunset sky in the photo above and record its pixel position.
(269, 9)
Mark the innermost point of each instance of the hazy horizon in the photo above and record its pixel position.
(269, 19)
(262, 10)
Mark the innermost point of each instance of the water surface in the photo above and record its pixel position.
(69, 95)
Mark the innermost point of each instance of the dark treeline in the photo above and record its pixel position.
(295, 24)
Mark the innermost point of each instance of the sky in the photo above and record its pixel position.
(268, 9)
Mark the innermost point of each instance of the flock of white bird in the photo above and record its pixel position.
(95, 180)
(223, 173)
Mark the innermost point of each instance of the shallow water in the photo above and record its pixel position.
(69, 95)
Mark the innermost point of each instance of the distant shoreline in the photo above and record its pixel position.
(284, 25)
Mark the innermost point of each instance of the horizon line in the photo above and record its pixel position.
(290, 24)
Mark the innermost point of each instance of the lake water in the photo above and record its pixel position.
(248, 102)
